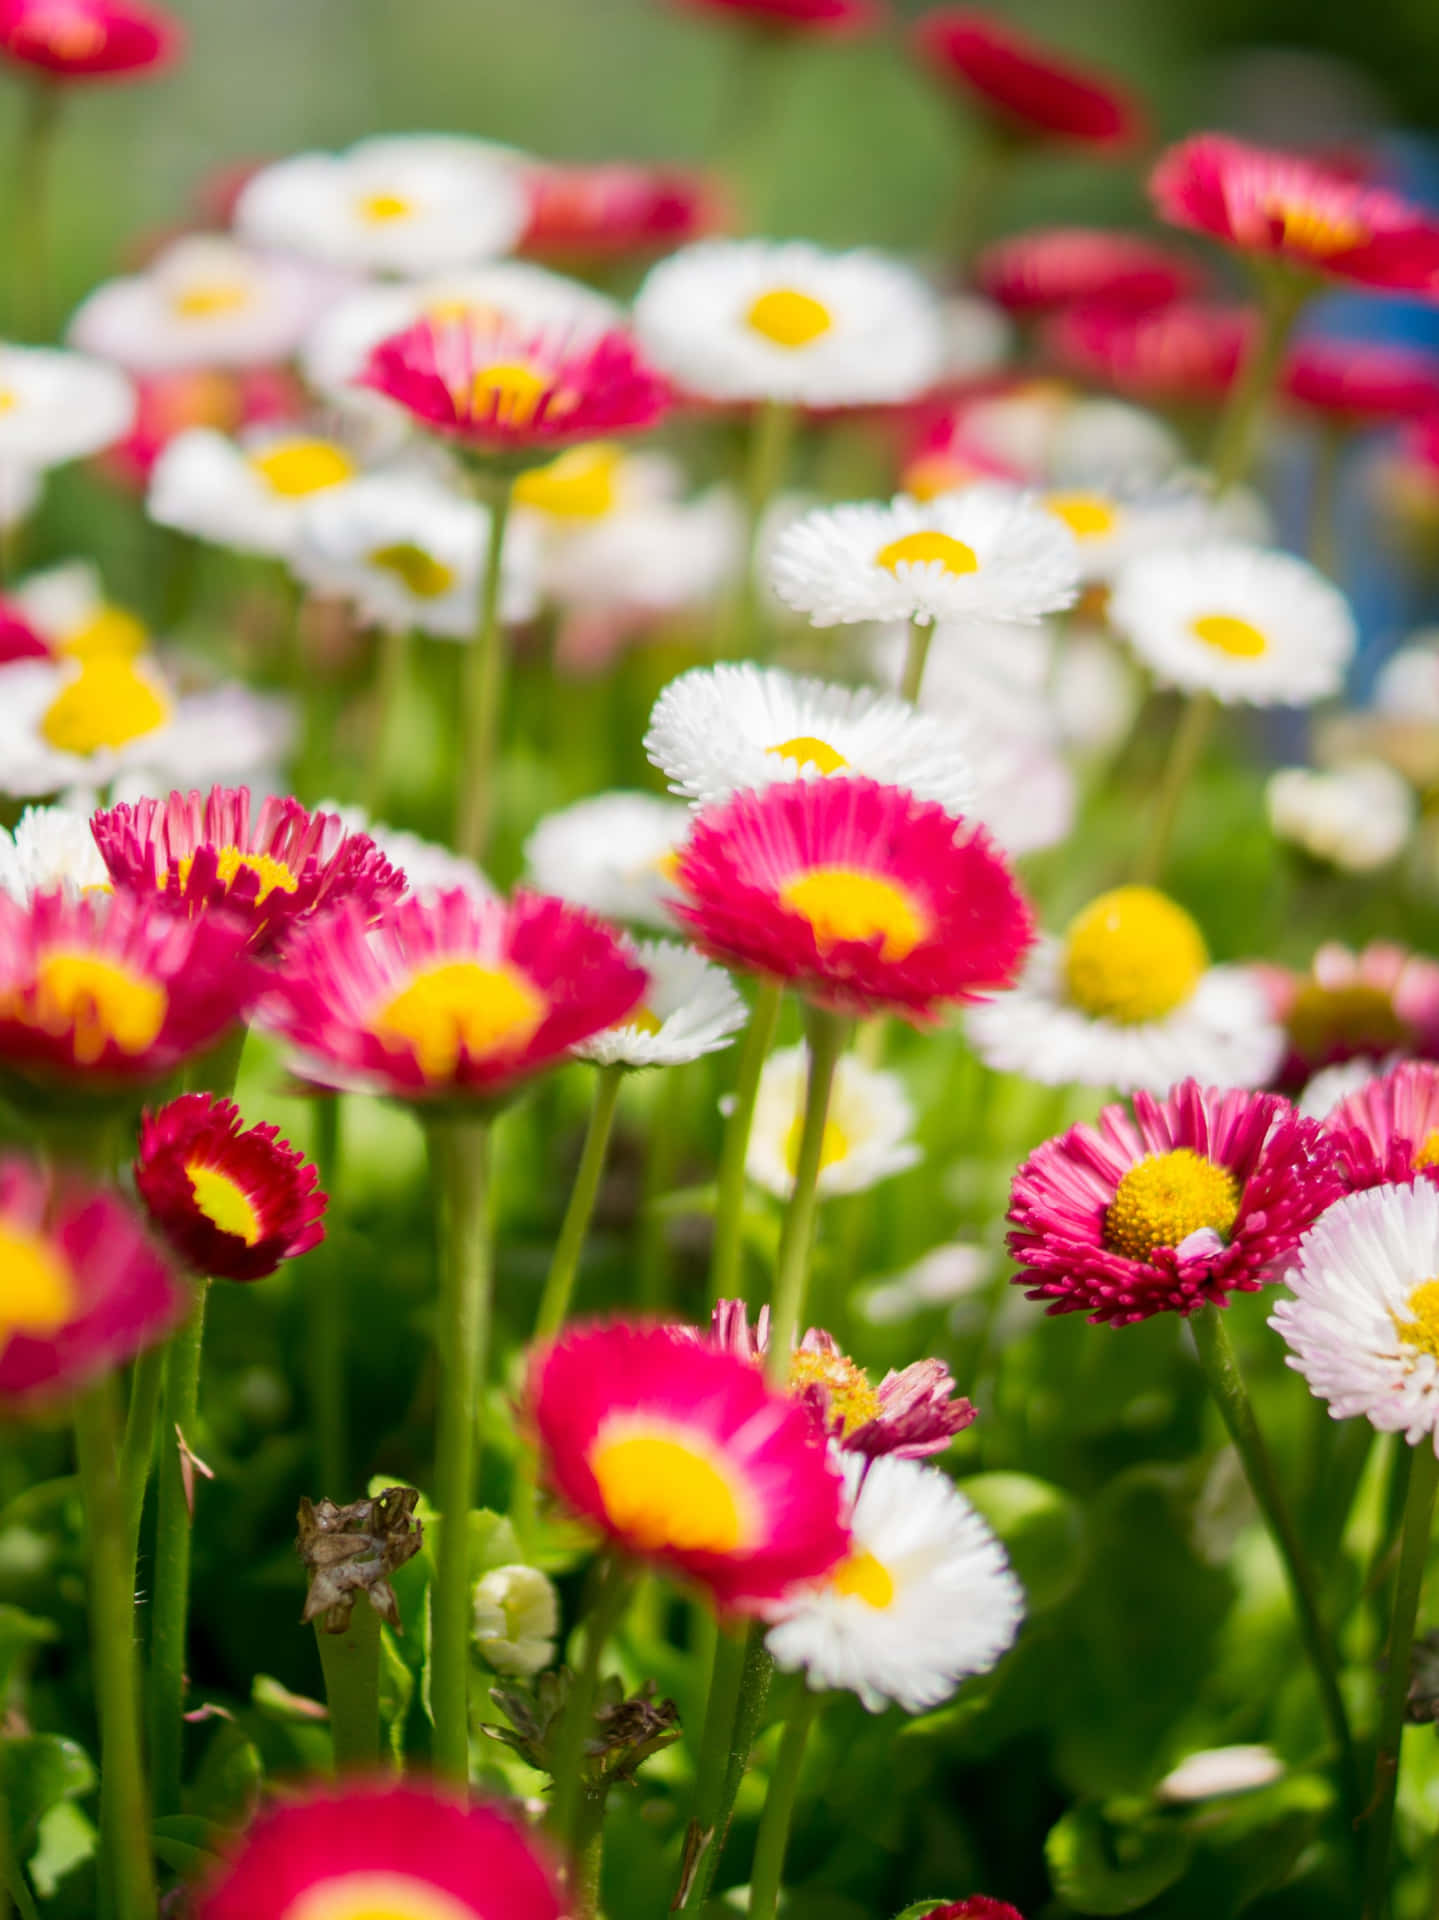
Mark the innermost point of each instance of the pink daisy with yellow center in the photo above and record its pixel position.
(1053, 267)
(1354, 1006)
(381, 1851)
(449, 997)
(232, 1202)
(271, 868)
(1183, 352)
(85, 1289)
(1170, 1205)
(1028, 88)
(88, 39)
(685, 1455)
(860, 895)
(1388, 1130)
(604, 212)
(1356, 382)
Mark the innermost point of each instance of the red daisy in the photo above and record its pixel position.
(685, 1455)
(477, 379)
(1027, 87)
(603, 212)
(1187, 352)
(1354, 1006)
(449, 997)
(978, 1906)
(84, 1288)
(1283, 207)
(375, 1847)
(1171, 1207)
(18, 638)
(232, 1202)
(1058, 266)
(88, 39)
(113, 990)
(273, 870)
(861, 895)
(1360, 381)
(798, 16)
(1389, 1130)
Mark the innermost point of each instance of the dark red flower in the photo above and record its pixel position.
(1362, 380)
(834, 17)
(978, 1906)
(1026, 86)
(1061, 266)
(88, 39)
(18, 638)
(1187, 352)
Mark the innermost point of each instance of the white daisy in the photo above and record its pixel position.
(1128, 999)
(925, 1599)
(988, 553)
(409, 552)
(67, 606)
(690, 1007)
(717, 730)
(205, 301)
(1110, 527)
(19, 495)
(1363, 1328)
(428, 867)
(421, 204)
(1112, 446)
(517, 1619)
(1407, 685)
(1330, 1085)
(786, 321)
(1245, 625)
(978, 336)
(1027, 793)
(251, 493)
(611, 853)
(1356, 817)
(867, 1138)
(1220, 1770)
(50, 847)
(57, 406)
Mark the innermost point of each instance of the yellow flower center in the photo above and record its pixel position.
(376, 1896)
(924, 549)
(224, 1202)
(9, 399)
(842, 903)
(833, 1147)
(96, 1001)
(1422, 1332)
(1427, 1154)
(643, 1019)
(1087, 515)
(274, 876)
(380, 209)
(1226, 633)
(112, 632)
(862, 1577)
(663, 1492)
(510, 390)
(1132, 955)
(1311, 230)
(788, 318)
(38, 1296)
(107, 704)
(461, 1008)
(851, 1398)
(1163, 1199)
(205, 299)
(418, 572)
(810, 753)
(581, 484)
(299, 467)
(1358, 1018)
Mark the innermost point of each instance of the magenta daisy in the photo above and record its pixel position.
(272, 867)
(449, 997)
(859, 894)
(1171, 1206)
(685, 1455)
(85, 1290)
(1388, 1130)
(381, 1849)
(231, 1201)
(1354, 1006)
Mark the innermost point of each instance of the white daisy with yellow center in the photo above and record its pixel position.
(988, 552)
(1363, 1326)
(68, 607)
(1249, 626)
(690, 1008)
(925, 1599)
(1128, 998)
(1357, 817)
(250, 493)
(1111, 525)
(51, 847)
(868, 1137)
(57, 406)
(613, 853)
(754, 320)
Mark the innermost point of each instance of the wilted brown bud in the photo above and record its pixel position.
(354, 1549)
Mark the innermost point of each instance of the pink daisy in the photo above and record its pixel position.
(1171, 1207)
(19, 640)
(1186, 352)
(1388, 1130)
(1060, 266)
(686, 1456)
(1360, 381)
(978, 1906)
(833, 17)
(611, 211)
(1354, 1006)
(859, 894)
(1027, 87)
(89, 39)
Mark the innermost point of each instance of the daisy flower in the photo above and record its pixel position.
(1362, 382)
(110, 990)
(689, 1008)
(404, 205)
(1186, 353)
(57, 406)
(924, 1600)
(66, 608)
(517, 1619)
(1331, 1086)
(978, 338)
(89, 39)
(1357, 817)
(1387, 1126)
(1027, 88)
(1250, 627)
(449, 998)
(170, 403)
(978, 1906)
(249, 493)
(339, 1853)
(616, 210)
(720, 730)
(1128, 999)
(1049, 267)
(830, 18)
(868, 1137)
(50, 847)
(1350, 1005)
(859, 895)
(231, 1202)
(85, 1289)
(1110, 528)
(1282, 207)
(1363, 1326)
(685, 1455)
(1167, 1206)
(988, 552)
(613, 853)
(753, 320)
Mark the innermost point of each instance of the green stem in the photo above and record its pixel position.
(727, 1258)
(351, 1663)
(394, 651)
(726, 1671)
(915, 655)
(327, 1311)
(460, 1154)
(170, 1609)
(137, 1453)
(30, 290)
(1418, 1521)
(968, 216)
(483, 691)
(826, 1034)
(126, 1868)
(1221, 1371)
(1186, 750)
(771, 436)
(756, 1671)
(662, 1158)
(767, 1873)
(1232, 453)
(612, 1591)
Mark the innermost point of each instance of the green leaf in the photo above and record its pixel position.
(1097, 1868)
(36, 1774)
(66, 1840)
(919, 1908)
(397, 1692)
(1042, 1529)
